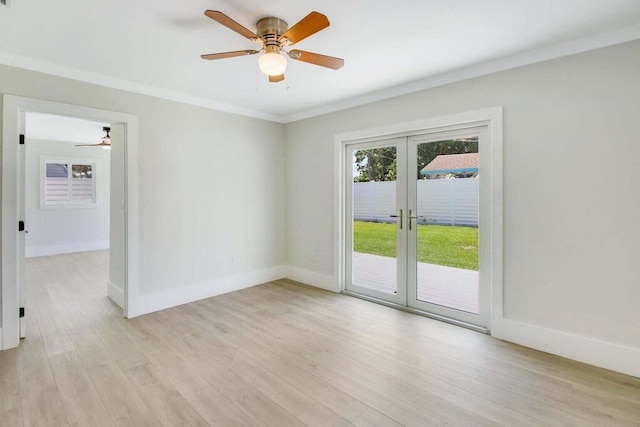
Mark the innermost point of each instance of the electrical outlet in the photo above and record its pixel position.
(235, 262)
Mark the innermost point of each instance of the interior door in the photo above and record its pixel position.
(443, 186)
(375, 223)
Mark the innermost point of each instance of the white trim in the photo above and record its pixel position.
(69, 203)
(53, 69)
(592, 351)
(558, 50)
(12, 107)
(596, 352)
(495, 274)
(485, 225)
(312, 278)
(584, 349)
(115, 293)
(417, 127)
(36, 251)
(491, 117)
(339, 201)
(150, 303)
(491, 189)
(400, 295)
(547, 53)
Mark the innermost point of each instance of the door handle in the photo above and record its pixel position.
(398, 216)
(409, 217)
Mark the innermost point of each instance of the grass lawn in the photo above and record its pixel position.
(437, 244)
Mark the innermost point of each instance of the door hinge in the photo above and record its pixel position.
(20, 225)
(21, 139)
(21, 312)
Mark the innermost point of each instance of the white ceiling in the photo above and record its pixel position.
(60, 128)
(389, 47)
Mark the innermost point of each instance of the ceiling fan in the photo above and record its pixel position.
(273, 34)
(105, 143)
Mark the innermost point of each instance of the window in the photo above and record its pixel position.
(67, 183)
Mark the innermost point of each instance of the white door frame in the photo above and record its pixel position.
(484, 212)
(400, 296)
(491, 251)
(13, 106)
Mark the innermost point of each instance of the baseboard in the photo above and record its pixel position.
(584, 349)
(319, 280)
(65, 249)
(183, 295)
(115, 293)
(604, 354)
(595, 352)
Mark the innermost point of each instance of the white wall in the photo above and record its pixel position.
(117, 256)
(570, 238)
(211, 187)
(570, 241)
(70, 229)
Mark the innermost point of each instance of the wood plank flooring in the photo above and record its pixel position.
(279, 354)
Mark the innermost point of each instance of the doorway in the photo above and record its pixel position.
(412, 228)
(124, 134)
(434, 251)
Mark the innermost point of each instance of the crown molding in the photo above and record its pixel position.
(558, 50)
(547, 53)
(58, 70)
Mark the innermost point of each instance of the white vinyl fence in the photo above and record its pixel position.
(440, 201)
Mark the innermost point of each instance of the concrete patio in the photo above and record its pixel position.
(446, 286)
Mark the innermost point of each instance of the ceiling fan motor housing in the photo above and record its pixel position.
(271, 25)
(270, 29)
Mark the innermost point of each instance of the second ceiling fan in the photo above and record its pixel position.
(273, 34)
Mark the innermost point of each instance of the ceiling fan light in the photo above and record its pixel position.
(272, 64)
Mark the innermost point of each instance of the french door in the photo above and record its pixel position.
(413, 221)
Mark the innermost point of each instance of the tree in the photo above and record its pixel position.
(379, 164)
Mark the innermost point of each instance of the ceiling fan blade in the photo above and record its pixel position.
(102, 144)
(223, 19)
(317, 59)
(276, 79)
(309, 25)
(229, 54)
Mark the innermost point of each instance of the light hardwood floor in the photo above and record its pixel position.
(279, 354)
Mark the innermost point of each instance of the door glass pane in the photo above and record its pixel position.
(374, 227)
(447, 223)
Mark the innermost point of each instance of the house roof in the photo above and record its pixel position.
(452, 163)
